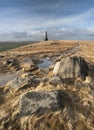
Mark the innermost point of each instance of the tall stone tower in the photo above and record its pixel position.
(46, 37)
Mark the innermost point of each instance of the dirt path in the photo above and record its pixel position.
(72, 50)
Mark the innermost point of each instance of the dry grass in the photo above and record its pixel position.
(40, 49)
(87, 50)
(78, 111)
(77, 114)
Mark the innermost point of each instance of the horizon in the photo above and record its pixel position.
(26, 20)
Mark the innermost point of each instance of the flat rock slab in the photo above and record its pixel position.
(5, 78)
(40, 102)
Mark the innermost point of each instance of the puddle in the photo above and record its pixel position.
(45, 63)
(4, 78)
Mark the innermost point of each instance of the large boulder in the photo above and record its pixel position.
(71, 67)
(40, 102)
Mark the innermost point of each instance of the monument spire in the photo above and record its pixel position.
(46, 37)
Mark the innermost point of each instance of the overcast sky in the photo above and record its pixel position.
(63, 19)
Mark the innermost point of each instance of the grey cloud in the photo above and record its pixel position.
(55, 34)
(71, 34)
(21, 36)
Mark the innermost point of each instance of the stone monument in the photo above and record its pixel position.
(46, 37)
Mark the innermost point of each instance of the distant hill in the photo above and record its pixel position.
(4, 46)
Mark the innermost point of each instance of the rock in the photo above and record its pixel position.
(71, 67)
(26, 74)
(10, 61)
(28, 65)
(36, 81)
(92, 92)
(18, 82)
(1, 56)
(55, 80)
(56, 68)
(90, 80)
(40, 102)
(37, 60)
(44, 70)
(51, 67)
(45, 79)
(59, 58)
(22, 83)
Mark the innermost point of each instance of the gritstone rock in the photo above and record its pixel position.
(10, 61)
(18, 82)
(71, 67)
(40, 102)
(22, 83)
(28, 65)
(55, 80)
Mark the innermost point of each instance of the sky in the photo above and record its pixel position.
(25, 20)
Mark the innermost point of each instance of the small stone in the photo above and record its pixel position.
(45, 79)
(51, 67)
(55, 80)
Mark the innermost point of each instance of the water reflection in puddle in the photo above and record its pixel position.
(45, 63)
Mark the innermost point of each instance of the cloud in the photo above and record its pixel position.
(53, 33)
(21, 24)
(22, 36)
(33, 22)
(72, 34)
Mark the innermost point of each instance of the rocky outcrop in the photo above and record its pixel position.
(71, 67)
(40, 102)
(28, 65)
(18, 82)
(23, 82)
(12, 64)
